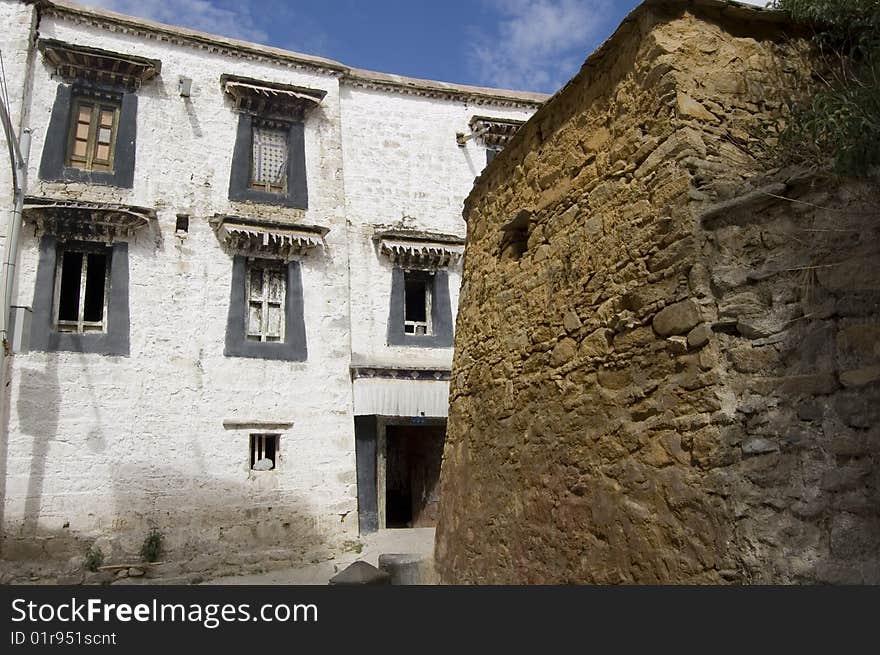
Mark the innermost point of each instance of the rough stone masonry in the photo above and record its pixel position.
(667, 351)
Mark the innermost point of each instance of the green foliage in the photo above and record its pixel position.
(840, 123)
(93, 559)
(152, 549)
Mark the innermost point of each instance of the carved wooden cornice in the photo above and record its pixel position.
(76, 62)
(86, 220)
(256, 238)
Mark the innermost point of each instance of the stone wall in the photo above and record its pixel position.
(663, 373)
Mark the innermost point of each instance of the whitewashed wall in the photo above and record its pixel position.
(109, 445)
(106, 447)
(403, 170)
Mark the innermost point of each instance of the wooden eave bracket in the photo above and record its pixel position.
(76, 62)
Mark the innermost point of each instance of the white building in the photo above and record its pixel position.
(241, 267)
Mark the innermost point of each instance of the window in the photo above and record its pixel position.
(417, 303)
(269, 161)
(264, 452)
(82, 282)
(269, 157)
(266, 282)
(81, 293)
(93, 129)
(420, 310)
(92, 133)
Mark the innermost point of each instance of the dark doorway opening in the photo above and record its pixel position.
(412, 475)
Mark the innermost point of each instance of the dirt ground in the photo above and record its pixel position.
(415, 541)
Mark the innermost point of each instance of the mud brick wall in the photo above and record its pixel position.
(661, 373)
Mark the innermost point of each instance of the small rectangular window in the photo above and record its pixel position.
(264, 452)
(266, 290)
(269, 160)
(94, 123)
(82, 284)
(417, 303)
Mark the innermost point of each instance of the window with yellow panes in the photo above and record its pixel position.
(94, 124)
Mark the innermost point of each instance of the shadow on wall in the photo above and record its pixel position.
(220, 519)
(210, 523)
(38, 402)
(208, 515)
(798, 294)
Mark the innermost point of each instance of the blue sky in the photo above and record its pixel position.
(534, 45)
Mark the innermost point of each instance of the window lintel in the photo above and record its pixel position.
(267, 239)
(270, 98)
(87, 220)
(420, 249)
(76, 62)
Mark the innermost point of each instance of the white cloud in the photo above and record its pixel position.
(235, 21)
(538, 44)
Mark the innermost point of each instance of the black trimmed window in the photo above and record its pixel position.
(81, 297)
(266, 318)
(269, 160)
(82, 288)
(421, 311)
(269, 163)
(93, 127)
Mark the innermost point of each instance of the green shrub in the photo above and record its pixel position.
(151, 551)
(93, 559)
(839, 125)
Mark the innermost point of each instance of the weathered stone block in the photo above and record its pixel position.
(699, 336)
(564, 351)
(759, 446)
(690, 108)
(572, 322)
(595, 344)
(860, 377)
(679, 318)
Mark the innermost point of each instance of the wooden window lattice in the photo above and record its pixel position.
(270, 154)
(266, 292)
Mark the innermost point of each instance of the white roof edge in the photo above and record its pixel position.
(349, 74)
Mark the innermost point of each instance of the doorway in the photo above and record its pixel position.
(413, 454)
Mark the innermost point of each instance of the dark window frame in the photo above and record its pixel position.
(55, 162)
(441, 313)
(45, 336)
(240, 179)
(293, 348)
